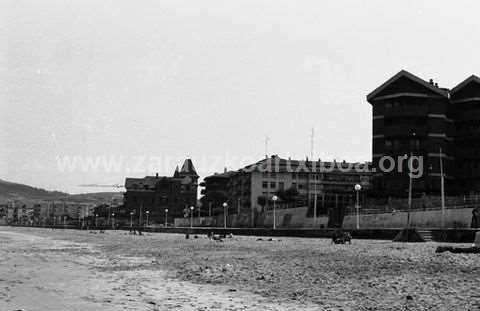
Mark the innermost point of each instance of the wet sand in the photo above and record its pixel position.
(43, 269)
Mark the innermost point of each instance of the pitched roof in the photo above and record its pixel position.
(461, 85)
(406, 74)
(277, 164)
(221, 175)
(175, 174)
(188, 168)
(149, 181)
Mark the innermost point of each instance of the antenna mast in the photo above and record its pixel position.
(266, 146)
(312, 143)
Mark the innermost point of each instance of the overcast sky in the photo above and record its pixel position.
(151, 80)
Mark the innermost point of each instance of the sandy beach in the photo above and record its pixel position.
(44, 269)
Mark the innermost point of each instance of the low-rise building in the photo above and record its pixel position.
(319, 185)
(154, 195)
(215, 192)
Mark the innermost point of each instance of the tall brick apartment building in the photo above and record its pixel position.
(157, 193)
(465, 97)
(413, 116)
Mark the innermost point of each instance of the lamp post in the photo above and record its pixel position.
(166, 216)
(113, 220)
(108, 217)
(147, 212)
(442, 188)
(274, 199)
(191, 216)
(410, 185)
(131, 219)
(357, 205)
(96, 220)
(225, 206)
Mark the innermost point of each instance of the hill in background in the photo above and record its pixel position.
(14, 191)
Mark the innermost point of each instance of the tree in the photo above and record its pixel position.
(262, 201)
(216, 199)
(290, 195)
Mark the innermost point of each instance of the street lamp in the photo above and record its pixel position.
(410, 185)
(191, 216)
(225, 206)
(357, 206)
(147, 212)
(166, 216)
(131, 219)
(108, 217)
(96, 220)
(442, 188)
(274, 199)
(113, 220)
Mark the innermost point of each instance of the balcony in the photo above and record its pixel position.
(468, 153)
(468, 131)
(405, 130)
(466, 115)
(395, 112)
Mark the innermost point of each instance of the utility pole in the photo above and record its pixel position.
(108, 216)
(266, 146)
(140, 218)
(312, 142)
(410, 184)
(442, 188)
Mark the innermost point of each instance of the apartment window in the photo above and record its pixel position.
(396, 144)
(273, 184)
(264, 184)
(300, 186)
(415, 144)
(294, 175)
(294, 185)
(273, 175)
(281, 185)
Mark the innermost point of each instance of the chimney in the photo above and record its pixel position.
(436, 84)
(430, 81)
(225, 169)
(156, 175)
